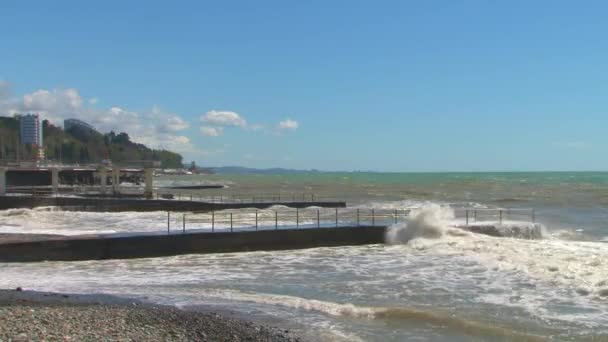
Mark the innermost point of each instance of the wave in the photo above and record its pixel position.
(510, 200)
(438, 318)
(511, 246)
(430, 221)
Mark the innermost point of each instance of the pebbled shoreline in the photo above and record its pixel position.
(38, 316)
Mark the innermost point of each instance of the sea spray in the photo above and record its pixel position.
(429, 221)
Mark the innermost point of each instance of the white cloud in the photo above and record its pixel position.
(210, 131)
(224, 119)
(288, 124)
(154, 128)
(93, 100)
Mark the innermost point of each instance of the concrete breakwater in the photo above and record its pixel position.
(131, 204)
(89, 247)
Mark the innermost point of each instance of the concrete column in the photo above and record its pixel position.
(103, 177)
(55, 180)
(116, 180)
(2, 181)
(149, 180)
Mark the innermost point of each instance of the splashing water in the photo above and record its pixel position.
(430, 221)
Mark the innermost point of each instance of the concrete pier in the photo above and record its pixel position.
(148, 180)
(103, 179)
(55, 180)
(75, 248)
(129, 204)
(2, 181)
(115, 180)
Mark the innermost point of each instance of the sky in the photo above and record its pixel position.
(332, 85)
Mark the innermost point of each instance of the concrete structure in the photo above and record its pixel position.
(2, 181)
(30, 130)
(129, 204)
(103, 179)
(55, 180)
(149, 181)
(64, 248)
(115, 180)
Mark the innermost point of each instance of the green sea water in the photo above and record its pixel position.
(452, 285)
(565, 200)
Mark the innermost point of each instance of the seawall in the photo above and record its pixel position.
(130, 204)
(147, 246)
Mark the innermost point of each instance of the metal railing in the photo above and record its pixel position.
(242, 198)
(499, 215)
(293, 218)
(267, 219)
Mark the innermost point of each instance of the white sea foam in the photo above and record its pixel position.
(582, 265)
(365, 312)
(430, 221)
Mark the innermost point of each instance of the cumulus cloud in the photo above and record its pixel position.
(211, 131)
(155, 128)
(223, 119)
(288, 124)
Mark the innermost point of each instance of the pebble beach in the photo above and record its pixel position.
(38, 316)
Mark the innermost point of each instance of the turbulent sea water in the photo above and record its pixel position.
(439, 284)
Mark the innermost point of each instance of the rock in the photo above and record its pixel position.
(21, 338)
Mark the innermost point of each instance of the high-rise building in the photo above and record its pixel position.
(30, 131)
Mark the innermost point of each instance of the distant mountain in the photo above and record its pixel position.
(248, 170)
(80, 146)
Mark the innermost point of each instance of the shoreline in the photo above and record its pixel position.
(32, 315)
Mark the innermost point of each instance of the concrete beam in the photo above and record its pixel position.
(103, 176)
(116, 180)
(3, 180)
(149, 181)
(55, 179)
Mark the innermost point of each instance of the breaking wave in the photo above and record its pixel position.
(430, 221)
(439, 318)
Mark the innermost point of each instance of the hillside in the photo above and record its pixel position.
(76, 146)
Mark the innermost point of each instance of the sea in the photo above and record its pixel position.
(441, 283)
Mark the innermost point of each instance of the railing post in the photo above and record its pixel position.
(256, 220)
(395, 217)
(500, 216)
(276, 220)
(318, 219)
(184, 223)
(168, 222)
(190, 197)
(231, 222)
(373, 217)
(297, 218)
(212, 221)
(358, 217)
(336, 217)
(467, 217)
(533, 216)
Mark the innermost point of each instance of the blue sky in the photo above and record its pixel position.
(334, 85)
